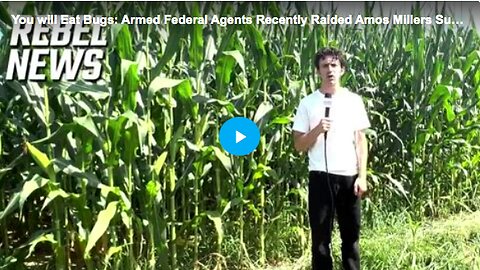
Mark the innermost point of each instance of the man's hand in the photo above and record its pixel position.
(303, 141)
(324, 125)
(360, 186)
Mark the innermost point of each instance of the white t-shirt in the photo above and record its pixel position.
(348, 114)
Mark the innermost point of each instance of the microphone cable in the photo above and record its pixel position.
(332, 201)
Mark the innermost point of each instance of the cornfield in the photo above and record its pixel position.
(128, 172)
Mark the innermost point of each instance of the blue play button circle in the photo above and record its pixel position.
(239, 136)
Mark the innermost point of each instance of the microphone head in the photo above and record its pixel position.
(327, 102)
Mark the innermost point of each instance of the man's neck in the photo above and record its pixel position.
(330, 89)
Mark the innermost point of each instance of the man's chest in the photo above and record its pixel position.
(342, 115)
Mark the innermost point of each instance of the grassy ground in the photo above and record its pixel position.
(396, 243)
(452, 243)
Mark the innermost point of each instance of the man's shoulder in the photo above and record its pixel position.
(314, 96)
(349, 93)
(352, 95)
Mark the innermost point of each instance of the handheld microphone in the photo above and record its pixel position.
(327, 103)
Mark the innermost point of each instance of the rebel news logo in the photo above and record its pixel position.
(61, 46)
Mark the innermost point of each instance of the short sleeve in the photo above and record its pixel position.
(300, 122)
(362, 117)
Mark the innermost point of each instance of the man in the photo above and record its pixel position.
(337, 177)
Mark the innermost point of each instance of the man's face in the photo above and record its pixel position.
(330, 70)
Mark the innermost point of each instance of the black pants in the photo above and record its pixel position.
(347, 206)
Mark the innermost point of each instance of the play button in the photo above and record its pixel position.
(239, 136)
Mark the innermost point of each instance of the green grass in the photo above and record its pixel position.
(399, 243)
(453, 243)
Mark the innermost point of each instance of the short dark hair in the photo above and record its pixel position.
(329, 51)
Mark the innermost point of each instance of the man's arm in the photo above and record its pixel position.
(361, 145)
(303, 141)
(362, 153)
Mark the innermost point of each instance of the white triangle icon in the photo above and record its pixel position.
(239, 137)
